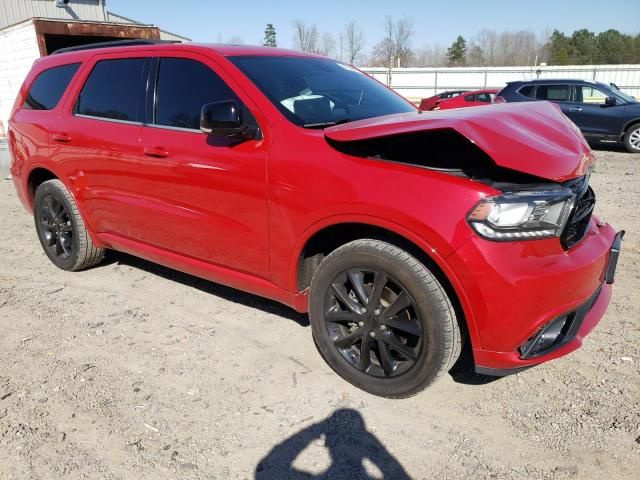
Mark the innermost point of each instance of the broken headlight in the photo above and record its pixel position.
(529, 215)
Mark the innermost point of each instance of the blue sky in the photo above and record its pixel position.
(435, 22)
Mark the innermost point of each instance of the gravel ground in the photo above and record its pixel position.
(131, 370)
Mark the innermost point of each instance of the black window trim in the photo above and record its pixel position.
(78, 66)
(145, 82)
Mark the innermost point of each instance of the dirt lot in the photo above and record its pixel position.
(131, 370)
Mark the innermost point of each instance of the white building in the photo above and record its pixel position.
(30, 29)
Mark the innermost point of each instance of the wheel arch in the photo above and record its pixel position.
(324, 239)
(39, 174)
(628, 125)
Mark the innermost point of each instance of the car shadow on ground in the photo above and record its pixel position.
(354, 452)
(227, 293)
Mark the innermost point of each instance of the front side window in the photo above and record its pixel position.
(588, 94)
(558, 93)
(318, 92)
(484, 97)
(114, 89)
(47, 89)
(183, 87)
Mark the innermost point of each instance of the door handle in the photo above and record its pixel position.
(61, 137)
(575, 109)
(157, 152)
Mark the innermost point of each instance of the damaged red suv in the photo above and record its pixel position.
(303, 180)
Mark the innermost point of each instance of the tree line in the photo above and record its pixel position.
(485, 48)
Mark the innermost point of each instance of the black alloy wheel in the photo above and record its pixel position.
(381, 319)
(61, 229)
(55, 227)
(373, 322)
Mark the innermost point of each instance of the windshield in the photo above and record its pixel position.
(318, 92)
(620, 93)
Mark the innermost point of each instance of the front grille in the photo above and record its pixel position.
(578, 221)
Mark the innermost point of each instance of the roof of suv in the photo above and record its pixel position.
(221, 49)
(542, 81)
(82, 55)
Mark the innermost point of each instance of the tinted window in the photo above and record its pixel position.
(470, 98)
(184, 86)
(317, 92)
(48, 87)
(483, 97)
(114, 90)
(553, 92)
(527, 91)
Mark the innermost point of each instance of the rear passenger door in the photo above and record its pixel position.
(98, 141)
(556, 93)
(204, 197)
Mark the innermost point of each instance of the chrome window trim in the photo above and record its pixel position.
(169, 127)
(107, 119)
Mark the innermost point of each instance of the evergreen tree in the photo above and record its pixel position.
(270, 36)
(457, 52)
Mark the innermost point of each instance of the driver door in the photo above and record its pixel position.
(591, 113)
(204, 196)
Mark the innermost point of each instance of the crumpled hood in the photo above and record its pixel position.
(533, 137)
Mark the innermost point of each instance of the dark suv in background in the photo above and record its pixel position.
(602, 112)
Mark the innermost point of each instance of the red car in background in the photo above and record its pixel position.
(431, 102)
(475, 98)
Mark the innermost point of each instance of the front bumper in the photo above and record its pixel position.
(516, 289)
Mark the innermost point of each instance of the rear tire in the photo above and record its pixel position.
(632, 139)
(61, 230)
(381, 319)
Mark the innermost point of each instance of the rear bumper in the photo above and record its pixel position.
(517, 289)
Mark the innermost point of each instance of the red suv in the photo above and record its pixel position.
(303, 180)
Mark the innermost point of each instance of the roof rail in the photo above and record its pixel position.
(115, 43)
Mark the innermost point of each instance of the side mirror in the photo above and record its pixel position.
(223, 119)
(610, 101)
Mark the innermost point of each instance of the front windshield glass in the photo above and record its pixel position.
(318, 92)
(620, 93)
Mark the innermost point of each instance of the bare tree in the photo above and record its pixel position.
(327, 46)
(305, 37)
(353, 41)
(403, 33)
(395, 49)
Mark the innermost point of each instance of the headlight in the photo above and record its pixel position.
(522, 215)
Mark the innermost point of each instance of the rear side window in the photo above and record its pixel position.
(470, 98)
(114, 90)
(48, 87)
(184, 86)
(484, 97)
(559, 93)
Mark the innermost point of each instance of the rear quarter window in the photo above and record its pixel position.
(49, 86)
(527, 91)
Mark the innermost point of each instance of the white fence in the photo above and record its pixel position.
(416, 83)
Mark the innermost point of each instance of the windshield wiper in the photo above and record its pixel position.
(326, 124)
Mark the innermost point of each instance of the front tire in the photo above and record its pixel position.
(632, 139)
(61, 230)
(382, 320)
